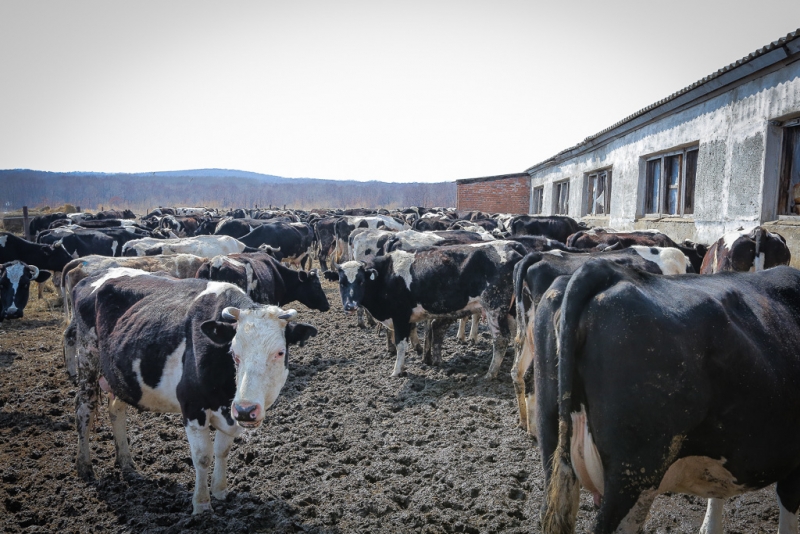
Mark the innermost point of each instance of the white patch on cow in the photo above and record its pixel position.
(758, 262)
(730, 238)
(350, 270)
(652, 231)
(401, 262)
(413, 239)
(163, 398)
(14, 274)
(712, 522)
(114, 245)
(787, 521)
(585, 457)
(669, 260)
(257, 344)
(500, 247)
(217, 288)
(115, 272)
(399, 364)
(418, 314)
(555, 252)
(75, 255)
(252, 282)
(3, 240)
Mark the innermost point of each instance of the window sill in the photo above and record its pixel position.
(667, 218)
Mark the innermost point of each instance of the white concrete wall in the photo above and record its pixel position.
(737, 168)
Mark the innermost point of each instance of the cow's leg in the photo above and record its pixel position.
(625, 511)
(788, 491)
(117, 414)
(199, 437)
(390, 346)
(402, 331)
(522, 362)
(438, 329)
(501, 334)
(85, 412)
(360, 316)
(223, 440)
(370, 319)
(414, 339)
(427, 352)
(461, 337)
(70, 349)
(712, 523)
(473, 332)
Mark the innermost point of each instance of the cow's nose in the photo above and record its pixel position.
(349, 306)
(246, 413)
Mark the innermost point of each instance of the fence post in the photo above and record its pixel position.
(25, 225)
(78, 209)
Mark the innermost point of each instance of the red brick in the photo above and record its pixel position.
(508, 195)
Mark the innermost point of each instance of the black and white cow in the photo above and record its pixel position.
(325, 234)
(50, 257)
(15, 281)
(647, 384)
(534, 274)
(199, 348)
(755, 250)
(401, 288)
(43, 222)
(207, 246)
(84, 242)
(293, 240)
(266, 280)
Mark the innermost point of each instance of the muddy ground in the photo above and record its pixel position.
(345, 449)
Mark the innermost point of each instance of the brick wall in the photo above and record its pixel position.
(507, 195)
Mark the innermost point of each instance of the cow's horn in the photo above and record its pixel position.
(230, 313)
(287, 314)
(34, 272)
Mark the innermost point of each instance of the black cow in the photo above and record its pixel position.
(647, 384)
(294, 242)
(199, 348)
(755, 250)
(43, 222)
(325, 233)
(115, 214)
(99, 241)
(266, 280)
(401, 288)
(237, 227)
(15, 280)
(430, 224)
(50, 257)
(558, 227)
(534, 274)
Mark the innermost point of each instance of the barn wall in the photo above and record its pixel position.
(507, 195)
(737, 168)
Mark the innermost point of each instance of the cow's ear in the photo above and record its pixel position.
(299, 333)
(204, 271)
(302, 276)
(372, 274)
(43, 276)
(333, 276)
(219, 332)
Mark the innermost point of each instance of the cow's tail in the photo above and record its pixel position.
(563, 492)
(520, 289)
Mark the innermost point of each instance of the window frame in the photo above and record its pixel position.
(537, 200)
(589, 204)
(662, 201)
(557, 195)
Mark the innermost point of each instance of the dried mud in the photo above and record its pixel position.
(345, 449)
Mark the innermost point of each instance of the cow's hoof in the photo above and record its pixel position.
(461, 341)
(490, 376)
(220, 495)
(201, 507)
(129, 473)
(85, 471)
(398, 373)
(418, 348)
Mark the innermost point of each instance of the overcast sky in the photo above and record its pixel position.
(363, 89)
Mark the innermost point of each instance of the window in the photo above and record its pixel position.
(538, 197)
(598, 192)
(670, 182)
(561, 198)
(789, 194)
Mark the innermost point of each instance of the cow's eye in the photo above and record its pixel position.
(236, 360)
(280, 354)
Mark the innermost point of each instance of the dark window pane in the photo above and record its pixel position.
(653, 184)
(691, 173)
(599, 203)
(672, 166)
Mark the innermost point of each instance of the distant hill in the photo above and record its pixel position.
(221, 188)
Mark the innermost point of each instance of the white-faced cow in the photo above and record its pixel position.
(647, 384)
(534, 274)
(15, 281)
(754, 250)
(202, 349)
(401, 288)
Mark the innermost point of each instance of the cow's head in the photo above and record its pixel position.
(313, 296)
(353, 277)
(258, 339)
(15, 280)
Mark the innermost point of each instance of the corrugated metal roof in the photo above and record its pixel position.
(748, 58)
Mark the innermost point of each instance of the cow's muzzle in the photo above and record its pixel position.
(247, 415)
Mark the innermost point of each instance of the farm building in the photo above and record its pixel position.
(720, 154)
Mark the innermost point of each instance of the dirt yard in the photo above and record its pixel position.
(345, 449)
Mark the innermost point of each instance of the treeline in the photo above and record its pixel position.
(215, 188)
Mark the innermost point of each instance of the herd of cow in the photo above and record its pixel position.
(635, 375)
